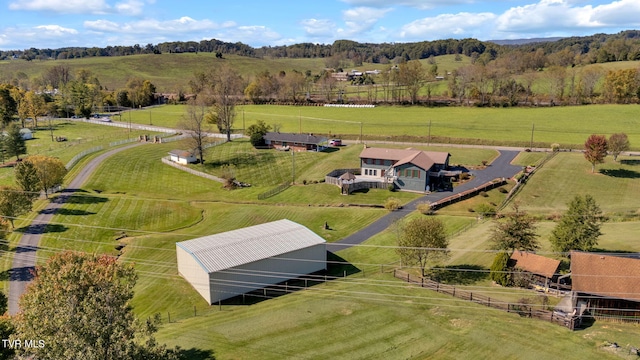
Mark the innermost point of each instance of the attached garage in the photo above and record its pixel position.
(233, 263)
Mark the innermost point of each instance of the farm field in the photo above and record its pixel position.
(152, 205)
(567, 126)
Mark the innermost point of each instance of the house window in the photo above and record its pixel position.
(415, 174)
(375, 172)
(366, 171)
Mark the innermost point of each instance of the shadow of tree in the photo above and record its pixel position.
(85, 199)
(630, 162)
(75, 212)
(20, 274)
(196, 354)
(621, 173)
(37, 229)
(465, 274)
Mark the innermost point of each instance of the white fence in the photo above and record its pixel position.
(351, 105)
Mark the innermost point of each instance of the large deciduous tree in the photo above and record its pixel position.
(8, 106)
(595, 150)
(226, 88)
(196, 125)
(579, 226)
(515, 231)
(421, 241)
(618, 143)
(13, 203)
(79, 306)
(50, 171)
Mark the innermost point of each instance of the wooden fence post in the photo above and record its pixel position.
(408, 280)
(454, 291)
(421, 282)
(489, 302)
(471, 296)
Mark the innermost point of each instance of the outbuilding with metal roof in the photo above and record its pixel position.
(232, 263)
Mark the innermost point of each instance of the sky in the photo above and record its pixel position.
(87, 23)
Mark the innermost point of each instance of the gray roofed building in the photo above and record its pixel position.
(298, 142)
(232, 263)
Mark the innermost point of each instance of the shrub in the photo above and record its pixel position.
(503, 190)
(391, 188)
(521, 279)
(483, 194)
(392, 204)
(555, 147)
(485, 210)
(464, 176)
(304, 182)
(499, 271)
(484, 162)
(425, 208)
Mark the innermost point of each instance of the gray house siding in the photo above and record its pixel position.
(411, 177)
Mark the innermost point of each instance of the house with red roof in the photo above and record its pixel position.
(407, 169)
(543, 269)
(605, 285)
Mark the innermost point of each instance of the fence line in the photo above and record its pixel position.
(167, 161)
(274, 191)
(524, 310)
(520, 184)
(467, 194)
(77, 158)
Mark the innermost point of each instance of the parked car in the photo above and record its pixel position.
(335, 142)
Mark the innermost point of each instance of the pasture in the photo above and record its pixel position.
(567, 126)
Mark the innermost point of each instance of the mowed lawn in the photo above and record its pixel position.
(615, 185)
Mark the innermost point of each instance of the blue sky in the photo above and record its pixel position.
(60, 23)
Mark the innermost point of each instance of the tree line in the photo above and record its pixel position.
(598, 48)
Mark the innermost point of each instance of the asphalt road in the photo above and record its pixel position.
(500, 168)
(24, 259)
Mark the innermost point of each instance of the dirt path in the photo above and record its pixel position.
(24, 259)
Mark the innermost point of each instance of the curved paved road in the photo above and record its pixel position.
(24, 259)
(500, 168)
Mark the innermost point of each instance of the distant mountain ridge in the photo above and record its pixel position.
(511, 42)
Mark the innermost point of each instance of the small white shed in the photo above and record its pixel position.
(182, 157)
(236, 262)
(27, 134)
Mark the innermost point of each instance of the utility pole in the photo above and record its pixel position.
(293, 166)
(533, 126)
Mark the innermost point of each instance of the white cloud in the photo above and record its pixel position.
(419, 4)
(566, 16)
(41, 36)
(62, 6)
(130, 7)
(182, 25)
(318, 27)
(249, 34)
(447, 25)
(361, 19)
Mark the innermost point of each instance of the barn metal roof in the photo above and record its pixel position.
(242, 246)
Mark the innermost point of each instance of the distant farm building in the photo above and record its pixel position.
(26, 134)
(182, 157)
(295, 142)
(407, 169)
(236, 262)
(606, 286)
(543, 269)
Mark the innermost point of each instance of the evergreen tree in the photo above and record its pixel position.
(579, 227)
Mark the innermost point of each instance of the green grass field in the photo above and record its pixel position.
(567, 126)
(365, 315)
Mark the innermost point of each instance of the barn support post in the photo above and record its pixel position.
(219, 305)
(264, 291)
(344, 273)
(243, 299)
(305, 283)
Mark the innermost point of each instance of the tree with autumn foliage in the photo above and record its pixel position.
(50, 171)
(79, 306)
(13, 203)
(618, 143)
(595, 150)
